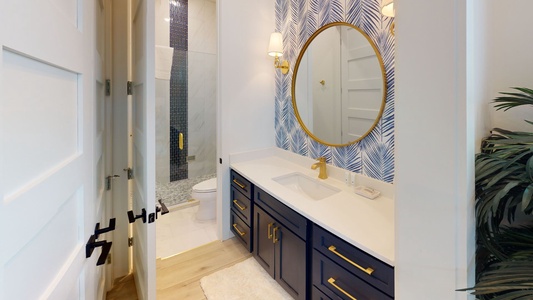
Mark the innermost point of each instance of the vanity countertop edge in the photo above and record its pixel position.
(364, 223)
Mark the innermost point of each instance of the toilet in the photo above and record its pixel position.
(206, 193)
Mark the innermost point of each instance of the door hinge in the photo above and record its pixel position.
(130, 88)
(108, 181)
(130, 241)
(108, 87)
(129, 172)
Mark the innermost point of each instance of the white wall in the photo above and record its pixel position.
(434, 151)
(509, 47)
(246, 88)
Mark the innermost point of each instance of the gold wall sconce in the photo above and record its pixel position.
(275, 49)
(387, 9)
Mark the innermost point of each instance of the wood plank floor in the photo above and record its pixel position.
(178, 277)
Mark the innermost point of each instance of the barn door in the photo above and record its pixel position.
(49, 203)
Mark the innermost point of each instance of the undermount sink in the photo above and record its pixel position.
(311, 188)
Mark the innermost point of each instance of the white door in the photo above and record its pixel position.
(326, 86)
(48, 200)
(143, 152)
(362, 86)
(102, 126)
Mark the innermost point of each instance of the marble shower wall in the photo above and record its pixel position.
(202, 61)
(373, 156)
(162, 97)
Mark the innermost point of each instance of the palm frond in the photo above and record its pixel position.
(525, 97)
(504, 185)
(299, 141)
(354, 12)
(317, 150)
(354, 160)
(377, 161)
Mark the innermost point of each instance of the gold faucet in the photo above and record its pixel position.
(322, 174)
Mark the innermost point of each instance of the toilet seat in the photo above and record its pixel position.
(207, 186)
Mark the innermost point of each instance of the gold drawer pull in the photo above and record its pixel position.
(368, 270)
(238, 231)
(269, 230)
(275, 236)
(242, 186)
(332, 282)
(238, 205)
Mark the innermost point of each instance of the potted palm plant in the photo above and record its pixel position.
(504, 206)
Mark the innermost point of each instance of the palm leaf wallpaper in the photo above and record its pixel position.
(373, 156)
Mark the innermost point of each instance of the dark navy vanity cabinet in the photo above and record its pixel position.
(308, 261)
(342, 271)
(241, 209)
(280, 243)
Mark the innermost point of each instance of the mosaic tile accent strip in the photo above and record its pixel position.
(373, 156)
(178, 192)
(178, 89)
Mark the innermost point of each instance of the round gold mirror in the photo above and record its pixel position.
(339, 86)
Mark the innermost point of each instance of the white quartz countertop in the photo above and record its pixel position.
(364, 223)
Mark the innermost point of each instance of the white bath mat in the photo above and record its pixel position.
(243, 281)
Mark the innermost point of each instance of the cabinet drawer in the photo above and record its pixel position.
(348, 256)
(241, 230)
(317, 294)
(241, 205)
(284, 214)
(335, 282)
(241, 184)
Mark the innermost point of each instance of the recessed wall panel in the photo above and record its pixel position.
(356, 124)
(365, 98)
(40, 110)
(364, 68)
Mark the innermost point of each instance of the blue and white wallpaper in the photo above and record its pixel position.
(373, 156)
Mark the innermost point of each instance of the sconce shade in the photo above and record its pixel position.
(387, 8)
(275, 47)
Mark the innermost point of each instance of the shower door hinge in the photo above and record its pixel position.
(108, 87)
(130, 88)
(130, 241)
(130, 173)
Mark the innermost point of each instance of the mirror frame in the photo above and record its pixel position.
(295, 74)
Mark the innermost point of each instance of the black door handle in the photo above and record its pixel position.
(92, 243)
(98, 230)
(132, 217)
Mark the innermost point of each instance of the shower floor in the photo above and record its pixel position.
(179, 191)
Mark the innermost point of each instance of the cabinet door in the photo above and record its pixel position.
(263, 245)
(290, 261)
